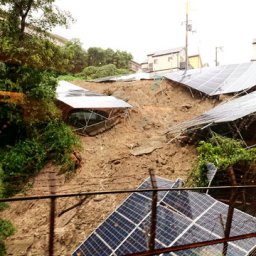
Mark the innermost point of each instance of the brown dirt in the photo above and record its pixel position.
(107, 165)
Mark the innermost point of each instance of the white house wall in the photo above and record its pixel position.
(164, 62)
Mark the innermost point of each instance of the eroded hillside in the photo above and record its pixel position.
(117, 159)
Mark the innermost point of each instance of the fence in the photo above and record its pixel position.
(182, 221)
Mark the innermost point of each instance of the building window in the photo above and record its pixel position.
(155, 61)
(170, 58)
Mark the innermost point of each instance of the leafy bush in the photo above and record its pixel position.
(92, 72)
(59, 142)
(223, 152)
(21, 162)
(70, 77)
(6, 229)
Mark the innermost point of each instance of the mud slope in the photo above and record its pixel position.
(112, 160)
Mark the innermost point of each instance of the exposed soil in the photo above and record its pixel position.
(116, 159)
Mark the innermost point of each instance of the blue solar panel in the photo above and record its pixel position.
(191, 204)
(136, 242)
(161, 183)
(115, 230)
(183, 217)
(93, 246)
(169, 225)
(135, 208)
(218, 80)
(213, 250)
(215, 219)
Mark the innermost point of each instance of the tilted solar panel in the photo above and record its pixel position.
(226, 112)
(78, 97)
(183, 217)
(218, 80)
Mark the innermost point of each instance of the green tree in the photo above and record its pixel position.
(20, 15)
(99, 57)
(76, 54)
(92, 72)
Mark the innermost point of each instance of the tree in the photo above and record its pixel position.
(99, 57)
(20, 16)
(76, 54)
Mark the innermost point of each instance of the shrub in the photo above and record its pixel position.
(6, 229)
(92, 72)
(223, 152)
(21, 162)
(59, 142)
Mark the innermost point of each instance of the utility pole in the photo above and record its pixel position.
(186, 43)
(217, 49)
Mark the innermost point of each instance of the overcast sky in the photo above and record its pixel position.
(144, 26)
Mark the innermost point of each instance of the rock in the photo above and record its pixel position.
(185, 107)
(99, 198)
(144, 150)
(65, 218)
(19, 247)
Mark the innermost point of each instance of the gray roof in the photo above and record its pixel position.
(78, 97)
(165, 52)
(218, 80)
(226, 112)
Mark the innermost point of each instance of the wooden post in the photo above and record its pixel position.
(52, 215)
(230, 214)
(153, 210)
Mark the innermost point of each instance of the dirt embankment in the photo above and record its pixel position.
(117, 159)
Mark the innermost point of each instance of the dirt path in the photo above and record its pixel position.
(111, 160)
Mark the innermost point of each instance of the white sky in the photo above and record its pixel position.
(144, 26)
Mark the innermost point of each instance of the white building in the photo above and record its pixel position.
(171, 59)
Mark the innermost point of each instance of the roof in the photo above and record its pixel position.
(78, 97)
(166, 52)
(218, 80)
(226, 112)
(183, 217)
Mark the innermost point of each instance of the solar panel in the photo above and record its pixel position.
(218, 80)
(78, 97)
(226, 112)
(183, 217)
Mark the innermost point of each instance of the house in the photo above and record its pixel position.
(171, 59)
(195, 61)
(134, 66)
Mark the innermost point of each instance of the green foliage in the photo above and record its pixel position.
(77, 56)
(70, 77)
(99, 57)
(19, 15)
(11, 123)
(6, 230)
(59, 142)
(223, 152)
(92, 72)
(33, 82)
(21, 162)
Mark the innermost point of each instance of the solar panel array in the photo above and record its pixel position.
(218, 80)
(183, 217)
(78, 97)
(226, 112)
